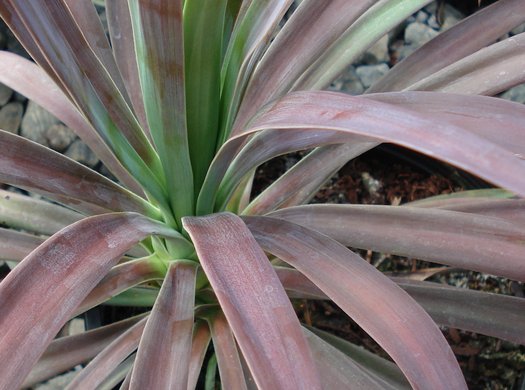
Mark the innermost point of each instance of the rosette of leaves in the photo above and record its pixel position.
(182, 103)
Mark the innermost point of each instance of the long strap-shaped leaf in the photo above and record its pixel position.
(162, 358)
(159, 46)
(301, 182)
(30, 165)
(512, 210)
(199, 346)
(64, 45)
(42, 292)
(252, 32)
(86, 17)
(54, 31)
(109, 358)
(465, 38)
(458, 239)
(30, 80)
(38, 216)
(358, 116)
(485, 117)
(312, 27)
(374, 364)
(15, 245)
(203, 42)
(228, 359)
(297, 185)
(451, 139)
(489, 71)
(254, 302)
(121, 278)
(268, 144)
(385, 312)
(476, 311)
(121, 35)
(372, 25)
(64, 353)
(338, 371)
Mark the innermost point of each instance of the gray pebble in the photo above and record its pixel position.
(11, 117)
(59, 137)
(370, 73)
(36, 122)
(449, 17)
(5, 94)
(80, 152)
(515, 94)
(417, 34)
(348, 82)
(421, 17)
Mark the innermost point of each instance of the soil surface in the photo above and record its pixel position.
(390, 175)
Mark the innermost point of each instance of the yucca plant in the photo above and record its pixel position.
(182, 104)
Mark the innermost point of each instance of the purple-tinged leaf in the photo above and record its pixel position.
(303, 180)
(311, 28)
(42, 292)
(448, 138)
(338, 371)
(16, 245)
(159, 45)
(119, 374)
(53, 30)
(459, 239)
(109, 358)
(378, 20)
(228, 359)
(65, 46)
(358, 116)
(38, 216)
(86, 17)
(463, 39)
(254, 302)
(386, 312)
(512, 210)
(32, 166)
(201, 340)
(486, 313)
(252, 33)
(31, 81)
(268, 144)
(65, 353)
(423, 273)
(297, 285)
(121, 35)
(162, 358)
(374, 364)
(489, 71)
(490, 314)
(481, 115)
(119, 279)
